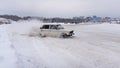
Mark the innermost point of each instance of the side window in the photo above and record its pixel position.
(53, 27)
(45, 27)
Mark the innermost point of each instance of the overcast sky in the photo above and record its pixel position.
(61, 8)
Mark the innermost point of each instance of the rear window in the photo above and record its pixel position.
(45, 27)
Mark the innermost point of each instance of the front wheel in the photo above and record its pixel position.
(63, 35)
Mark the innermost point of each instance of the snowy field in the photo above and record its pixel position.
(93, 46)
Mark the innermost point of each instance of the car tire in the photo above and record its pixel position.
(63, 35)
(41, 35)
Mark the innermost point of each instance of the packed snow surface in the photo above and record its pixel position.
(93, 46)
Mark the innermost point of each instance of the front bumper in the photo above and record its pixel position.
(71, 33)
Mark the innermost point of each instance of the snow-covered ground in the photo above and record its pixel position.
(94, 46)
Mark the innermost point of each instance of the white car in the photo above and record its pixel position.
(55, 30)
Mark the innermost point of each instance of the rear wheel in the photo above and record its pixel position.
(41, 35)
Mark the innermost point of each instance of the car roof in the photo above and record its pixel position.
(51, 24)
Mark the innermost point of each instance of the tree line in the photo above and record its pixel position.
(60, 20)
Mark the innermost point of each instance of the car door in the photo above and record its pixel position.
(54, 31)
(45, 30)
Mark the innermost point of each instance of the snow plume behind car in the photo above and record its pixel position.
(26, 27)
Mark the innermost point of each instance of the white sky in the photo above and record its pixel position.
(61, 8)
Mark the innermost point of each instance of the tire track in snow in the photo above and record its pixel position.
(93, 54)
(26, 52)
(7, 54)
